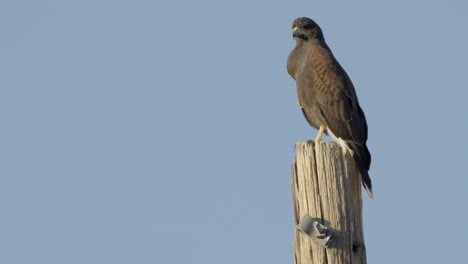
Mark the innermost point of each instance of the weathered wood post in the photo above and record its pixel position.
(326, 186)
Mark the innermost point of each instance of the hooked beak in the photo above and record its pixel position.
(298, 32)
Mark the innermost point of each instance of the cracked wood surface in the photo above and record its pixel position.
(326, 185)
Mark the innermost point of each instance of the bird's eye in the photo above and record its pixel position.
(307, 27)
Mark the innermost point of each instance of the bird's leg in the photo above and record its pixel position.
(318, 138)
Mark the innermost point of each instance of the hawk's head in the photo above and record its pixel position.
(305, 28)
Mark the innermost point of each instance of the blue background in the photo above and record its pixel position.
(163, 131)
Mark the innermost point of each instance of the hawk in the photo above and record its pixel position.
(327, 96)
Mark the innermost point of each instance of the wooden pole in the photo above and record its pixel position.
(326, 186)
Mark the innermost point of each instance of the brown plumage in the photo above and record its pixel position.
(327, 96)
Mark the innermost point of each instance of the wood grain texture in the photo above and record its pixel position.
(326, 185)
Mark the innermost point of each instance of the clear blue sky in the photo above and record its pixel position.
(163, 131)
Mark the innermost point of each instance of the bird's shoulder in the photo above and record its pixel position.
(327, 74)
(319, 56)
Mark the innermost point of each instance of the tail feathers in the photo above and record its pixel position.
(362, 158)
(367, 183)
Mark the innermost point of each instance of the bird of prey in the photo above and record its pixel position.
(327, 96)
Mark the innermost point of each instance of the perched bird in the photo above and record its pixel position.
(327, 96)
